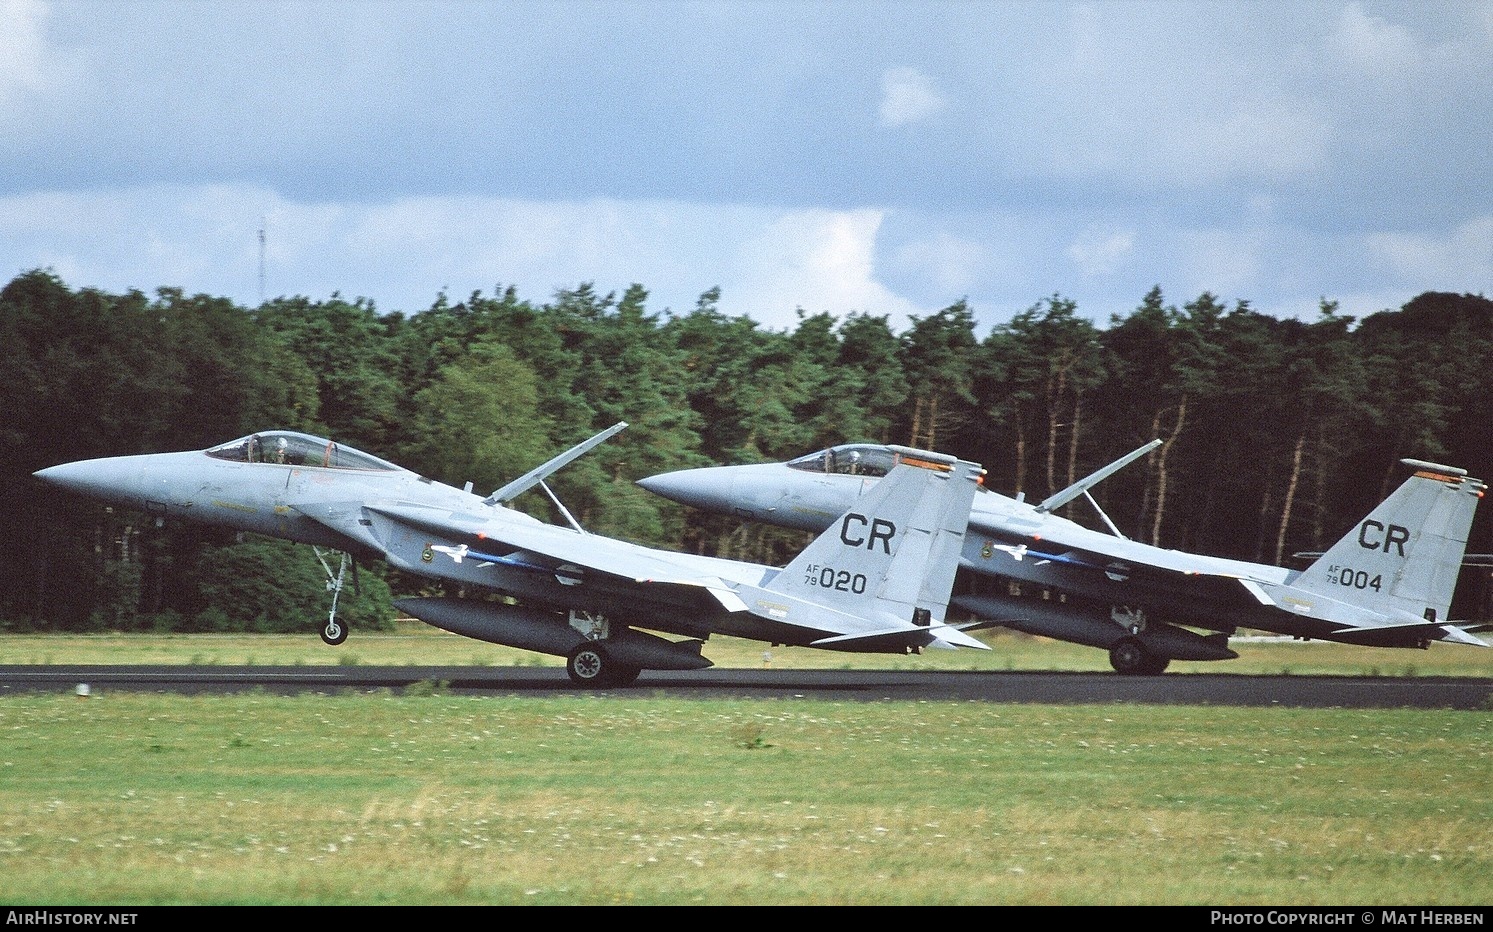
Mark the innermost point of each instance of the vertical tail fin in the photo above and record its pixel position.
(1407, 553)
(895, 552)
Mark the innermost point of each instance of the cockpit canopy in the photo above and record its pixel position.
(850, 459)
(860, 459)
(295, 449)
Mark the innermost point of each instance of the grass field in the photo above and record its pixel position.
(428, 798)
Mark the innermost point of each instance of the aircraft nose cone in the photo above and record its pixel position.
(706, 488)
(106, 478)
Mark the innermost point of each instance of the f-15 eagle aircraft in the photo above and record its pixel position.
(877, 581)
(1387, 583)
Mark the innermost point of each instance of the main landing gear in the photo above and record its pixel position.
(1129, 657)
(589, 664)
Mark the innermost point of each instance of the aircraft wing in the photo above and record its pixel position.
(517, 543)
(1104, 566)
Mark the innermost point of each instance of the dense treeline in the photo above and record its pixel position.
(1277, 434)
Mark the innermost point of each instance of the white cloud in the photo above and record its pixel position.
(1459, 260)
(1413, 61)
(404, 253)
(40, 82)
(202, 239)
(768, 262)
(819, 260)
(1101, 252)
(23, 50)
(949, 263)
(908, 96)
(1151, 95)
(1220, 261)
(473, 243)
(1100, 149)
(1372, 43)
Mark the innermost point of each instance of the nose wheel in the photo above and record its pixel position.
(334, 632)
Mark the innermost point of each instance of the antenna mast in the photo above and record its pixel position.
(261, 261)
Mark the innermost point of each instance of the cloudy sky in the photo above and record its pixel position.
(881, 157)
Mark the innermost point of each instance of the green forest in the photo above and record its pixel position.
(1277, 433)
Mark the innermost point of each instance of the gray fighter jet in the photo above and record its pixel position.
(1388, 582)
(877, 581)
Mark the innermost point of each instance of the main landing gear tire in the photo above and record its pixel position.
(1129, 657)
(334, 633)
(591, 665)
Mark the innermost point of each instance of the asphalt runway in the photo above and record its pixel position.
(1218, 689)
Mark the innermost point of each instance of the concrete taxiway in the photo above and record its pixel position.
(1220, 689)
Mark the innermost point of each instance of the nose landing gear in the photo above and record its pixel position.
(333, 632)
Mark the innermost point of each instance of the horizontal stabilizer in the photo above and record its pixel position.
(1460, 636)
(1441, 631)
(1404, 635)
(947, 633)
(728, 598)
